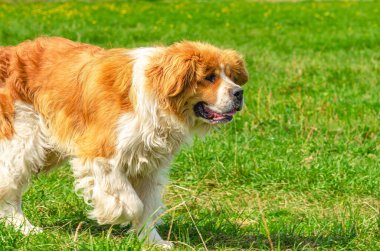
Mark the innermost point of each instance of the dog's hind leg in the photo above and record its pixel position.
(10, 203)
(19, 156)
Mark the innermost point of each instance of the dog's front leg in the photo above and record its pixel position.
(149, 190)
(108, 190)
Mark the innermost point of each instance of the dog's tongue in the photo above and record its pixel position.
(211, 114)
(217, 116)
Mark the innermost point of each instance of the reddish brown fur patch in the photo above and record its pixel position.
(6, 104)
(4, 65)
(80, 90)
(235, 68)
(207, 92)
(6, 117)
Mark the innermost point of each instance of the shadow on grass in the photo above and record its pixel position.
(217, 232)
(226, 234)
(231, 236)
(84, 224)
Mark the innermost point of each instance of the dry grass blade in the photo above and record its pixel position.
(265, 223)
(192, 219)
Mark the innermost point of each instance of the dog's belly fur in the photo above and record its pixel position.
(53, 158)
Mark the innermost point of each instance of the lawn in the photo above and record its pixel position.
(298, 169)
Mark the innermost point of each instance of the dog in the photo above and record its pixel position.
(119, 115)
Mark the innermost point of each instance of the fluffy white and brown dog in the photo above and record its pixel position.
(120, 115)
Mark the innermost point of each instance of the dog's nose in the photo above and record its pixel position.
(238, 93)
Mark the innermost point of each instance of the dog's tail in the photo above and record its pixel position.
(6, 103)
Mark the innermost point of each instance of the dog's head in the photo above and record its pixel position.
(199, 82)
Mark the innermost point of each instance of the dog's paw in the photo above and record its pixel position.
(20, 223)
(164, 244)
(154, 239)
(30, 229)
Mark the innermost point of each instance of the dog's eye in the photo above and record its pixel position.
(211, 78)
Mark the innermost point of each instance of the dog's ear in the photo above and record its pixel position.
(179, 74)
(238, 70)
(174, 70)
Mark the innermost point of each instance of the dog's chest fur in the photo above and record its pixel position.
(144, 146)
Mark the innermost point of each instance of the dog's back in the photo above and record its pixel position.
(20, 66)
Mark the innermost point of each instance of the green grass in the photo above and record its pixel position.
(299, 168)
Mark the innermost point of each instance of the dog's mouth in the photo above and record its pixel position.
(202, 110)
